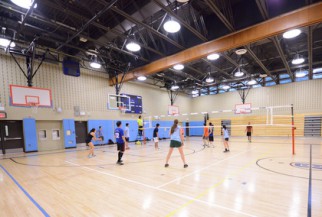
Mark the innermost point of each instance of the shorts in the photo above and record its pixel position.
(227, 139)
(211, 138)
(175, 144)
(156, 139)
(127, 139)
(140, 131)
(120, 146)
(249, 134)
(88, 141)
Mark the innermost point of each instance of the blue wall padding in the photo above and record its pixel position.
(108, 127)
(30, 134)
(196, 131)
(164, 131)
(69, 133)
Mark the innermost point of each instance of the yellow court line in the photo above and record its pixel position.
(240, 170)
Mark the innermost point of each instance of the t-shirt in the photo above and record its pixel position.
(140, 122)
(118, 133)
(226, 133)
(249, 128)
(176, 134)
(206, 131)
(127, 132)
(211, 131)
(155, 131)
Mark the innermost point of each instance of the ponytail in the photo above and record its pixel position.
(174, 126)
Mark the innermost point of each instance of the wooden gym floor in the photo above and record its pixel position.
(254, 179)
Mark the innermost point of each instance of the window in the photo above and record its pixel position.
(55, 134)
(42, 134)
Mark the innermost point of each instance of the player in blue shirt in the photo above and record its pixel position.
(120, 141)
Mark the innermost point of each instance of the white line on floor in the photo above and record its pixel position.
(204, 168)
(161, 190)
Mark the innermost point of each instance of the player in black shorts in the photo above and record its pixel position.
(90, 137)
(120, 141)
(211, 134)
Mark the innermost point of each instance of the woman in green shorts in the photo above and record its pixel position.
(176, 136)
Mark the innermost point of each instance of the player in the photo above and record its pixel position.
(156, 136)
(249, 131)
(226, 138)
(140, 126)
(177, 138)
(100, 135)
(127, 135)
(120, 141)
(90, 137)
(211, 134)
(205, 136)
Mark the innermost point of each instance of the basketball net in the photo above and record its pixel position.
(122, 109)
(34, 107)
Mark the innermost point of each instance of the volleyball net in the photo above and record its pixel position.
(266, 121)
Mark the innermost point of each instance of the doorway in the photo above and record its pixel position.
(81, 131)
(11, 135)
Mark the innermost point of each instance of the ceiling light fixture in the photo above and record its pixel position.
(210, 79)
(292, 33)
(194, 92)
(252, 82)
(133, 46)
(300, 73)
(317, 70)
(94, 63)
(239, 73)
(5, 42)
(142, 78)
(172, 26)
(241, 51)
(175, 87)
(225, 87)
(26, 4)
(178, 67)
(298, 59)
(213, 56)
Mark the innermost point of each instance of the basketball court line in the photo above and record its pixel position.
(162, 190)
(25, 192)
(204, 168)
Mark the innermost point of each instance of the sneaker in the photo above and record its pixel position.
(185, 166)
(166, 165)
(120, 163)
(225, 151)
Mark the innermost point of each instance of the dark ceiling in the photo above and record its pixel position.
(77, 29)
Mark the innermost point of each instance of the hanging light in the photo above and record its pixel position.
(213, 56)
(300, 73)
(317, 70)
(225, 87)
(142, 78)
(94, 63)
(5, 43)
(172, 26)
(252, 82)
(239, 73)
(26, 4)
(210, 79)
(133, 46)
(194, 92)
(178, 67)
(175, 87)
(298, 59)
(292, 33)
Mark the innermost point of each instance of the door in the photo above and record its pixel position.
(81, 131)
(11, 135)
(69, 133)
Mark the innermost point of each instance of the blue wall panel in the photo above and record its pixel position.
(196, 131)
(30, 134)
(69, 133)
(108, 127)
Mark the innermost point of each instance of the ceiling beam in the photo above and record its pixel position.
(303, 17)
(220, 15)
(310, 51)
(84, 27)
(282, 56)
